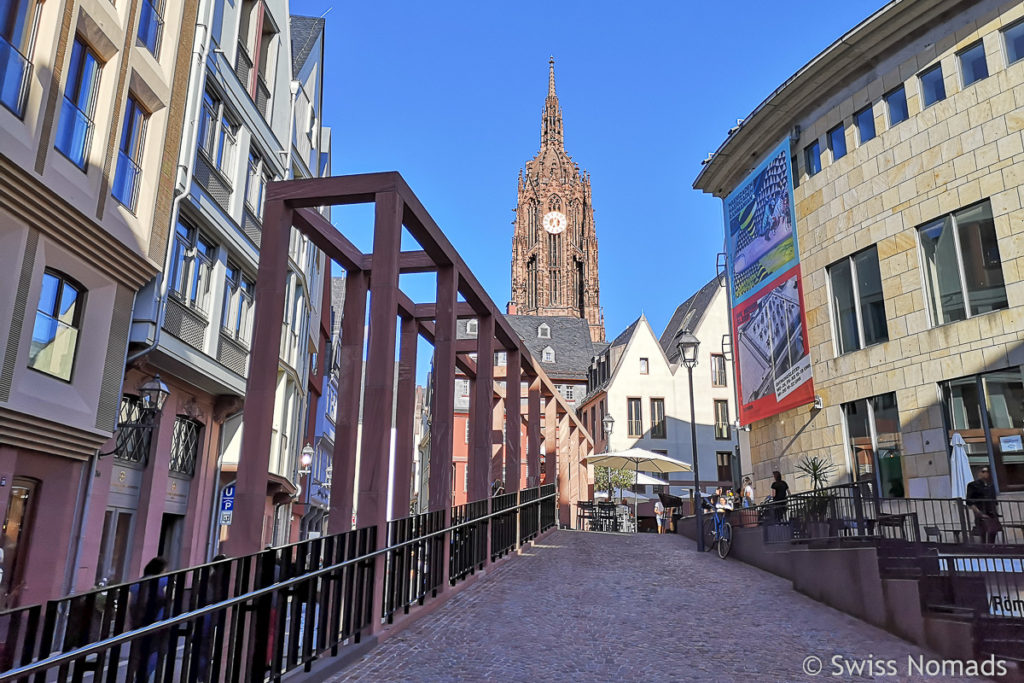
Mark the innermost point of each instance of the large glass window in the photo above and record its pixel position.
(865, 120)
(55, 332)
(858, 308)
(185, 445)
(129, 154)
(962, 269)
(74, 128)
(837, 142)
(723, 430)
(634, 412)
(973, 66)
(14, 539)
(873, 436)
(896, 103)
(17, 19)
(218, 135)
(238, 301)
(658, 418)
(933, 89)
(191, 264)
(1014, 36)
(812, 158)
(255, 184)
(151, 25)
(719, 377)
(988, 412)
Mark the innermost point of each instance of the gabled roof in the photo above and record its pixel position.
(623, 340)
(688, 315)
(304, 32)
(625, 334)
(570, 340)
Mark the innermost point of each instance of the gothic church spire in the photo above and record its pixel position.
(551, 128)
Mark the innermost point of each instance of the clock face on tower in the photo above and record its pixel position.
(554, 222)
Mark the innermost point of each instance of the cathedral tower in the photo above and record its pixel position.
(554, 245)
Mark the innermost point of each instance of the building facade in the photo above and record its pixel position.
(907, 152)
(92, 97)
(554, 245)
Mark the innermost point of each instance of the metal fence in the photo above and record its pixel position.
(257, 617)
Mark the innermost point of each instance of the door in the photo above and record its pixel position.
(14, 540)
(117, 532)
(171, 527)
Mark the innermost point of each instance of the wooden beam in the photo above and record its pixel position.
(327, 238)
(360, 188)
(512, 422)
(463, 311)
(405, 419)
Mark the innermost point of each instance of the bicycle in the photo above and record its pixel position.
(717, 530)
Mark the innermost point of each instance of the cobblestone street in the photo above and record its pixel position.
(605, 607)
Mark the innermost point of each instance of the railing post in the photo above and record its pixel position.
(374, 456)
(858, 511)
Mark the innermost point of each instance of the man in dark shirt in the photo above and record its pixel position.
(780, 490)
(981, 498)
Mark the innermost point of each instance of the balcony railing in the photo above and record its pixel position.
(74, 133)
(722, 430)
(14, 71)
(126, 181)
(262, 95)
(151, 27)
(243, 66)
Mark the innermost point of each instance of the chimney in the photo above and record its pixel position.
(511, 308)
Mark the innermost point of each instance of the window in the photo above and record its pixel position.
(658, 418)
(471, 327)
(644, 366)
(865, 120)
(465, 476)
(724, 465)
(932, 88)
(569, 392)
(548, 355)
(896, 103)
(988, 412)
(722, 427)
(973, 66)
(858, 307)
(74, 129)
(129, 154)
(17, 23)
(1014, 42)
(218, 135)
(634, 423)
(191, 263)
(544, 332)
(132, 442)
(151, 25)
(256, 184)
(467, 429)
(796, 173)
(962, 269)
(812, 158)
(837, 142)
(55, 332)
(873, 435)
(185, 445)
(718, 372)
(500, 358)
(236, 321)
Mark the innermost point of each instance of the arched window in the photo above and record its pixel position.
(555, 203)
(548, 355)
(58, 319)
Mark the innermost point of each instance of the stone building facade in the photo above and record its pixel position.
(554, 245)
(906, 136)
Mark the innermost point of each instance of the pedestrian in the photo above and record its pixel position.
(148, 606)
(211, 626)
(981, 498)
(748, 493)
(780, 491)
(659, 513)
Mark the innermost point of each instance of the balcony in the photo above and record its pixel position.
(126, 181)
(74, 133)
(151, 27)
(14, 71)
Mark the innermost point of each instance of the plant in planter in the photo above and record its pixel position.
(819, 470)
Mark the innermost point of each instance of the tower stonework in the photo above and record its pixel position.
(554, 245)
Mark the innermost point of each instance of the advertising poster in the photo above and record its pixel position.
(773, 364)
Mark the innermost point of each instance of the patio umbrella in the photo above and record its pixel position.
(652, 462)
(959, 468)
(624, 493)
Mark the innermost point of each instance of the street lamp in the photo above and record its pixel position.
(608, 423)
(152, 395)
(688, 346)
(306, 460)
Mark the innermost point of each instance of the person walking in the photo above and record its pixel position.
(780, 491)
(981, 499)
(659, 513)
(148, 606)
(748, 493)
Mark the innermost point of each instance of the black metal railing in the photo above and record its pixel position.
(529, 514)
(413, 570)
(469, 543)
(990, 584)
(503, 523)
(548, 507)
(249, 617)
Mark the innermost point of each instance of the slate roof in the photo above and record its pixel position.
(570, 340)
(688, 315)
(304, 32)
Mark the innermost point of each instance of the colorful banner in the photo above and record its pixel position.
(773, 364)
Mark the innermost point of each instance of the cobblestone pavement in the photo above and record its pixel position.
(608, 607)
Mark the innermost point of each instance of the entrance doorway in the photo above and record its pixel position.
(117, 532)
(171, 527)
(14, 540)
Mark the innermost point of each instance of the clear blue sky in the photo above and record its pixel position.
(450, 94)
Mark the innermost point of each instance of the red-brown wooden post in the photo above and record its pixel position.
(246, 534)
(374, 456)
(550, 440)
(442, 411)
(405, 416)
(533, 434)
(481, 412)
(513, 422)
(350, 380)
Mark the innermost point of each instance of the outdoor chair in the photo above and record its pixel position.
(607, 517)
(585, 515)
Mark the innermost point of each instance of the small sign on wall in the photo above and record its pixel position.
(1011, 444)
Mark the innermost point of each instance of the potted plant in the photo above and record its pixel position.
(819, 470)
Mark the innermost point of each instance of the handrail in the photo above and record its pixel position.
(98, 646)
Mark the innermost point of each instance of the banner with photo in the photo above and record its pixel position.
(771, 352)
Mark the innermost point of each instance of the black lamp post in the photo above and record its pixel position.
(608, 422)
(688, 346)
(152, 395)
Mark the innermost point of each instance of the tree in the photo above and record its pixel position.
(608, 479)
